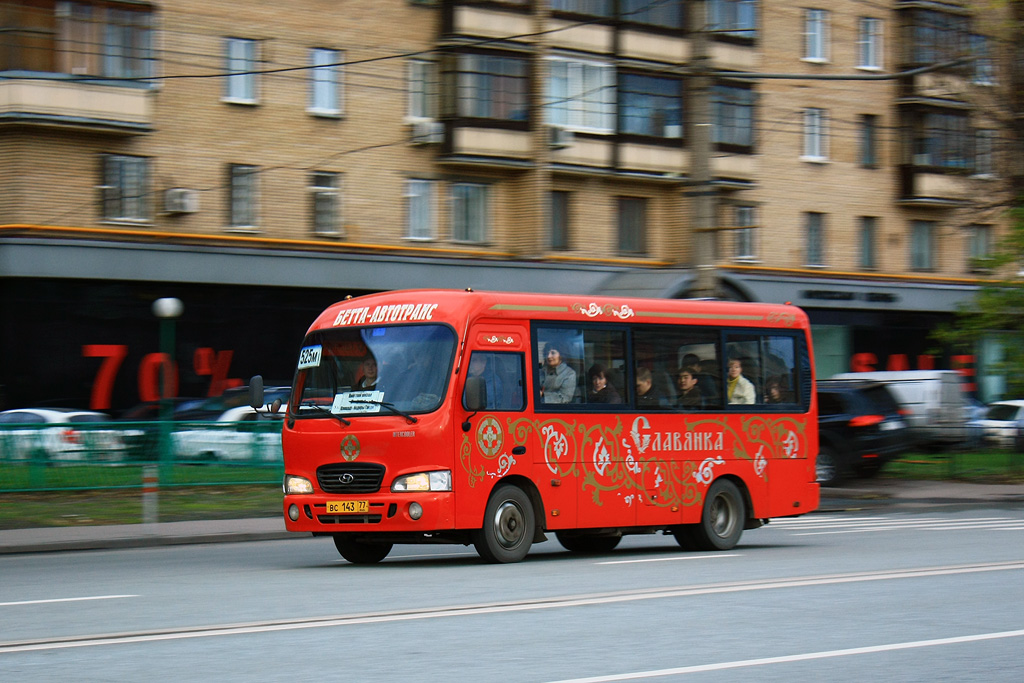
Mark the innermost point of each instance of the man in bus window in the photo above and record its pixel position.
(558, 380)
(646, 396)
(479, 367)
(689, 392)
(708, 386)
(739, 389)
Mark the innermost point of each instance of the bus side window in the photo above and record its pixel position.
(502, 375)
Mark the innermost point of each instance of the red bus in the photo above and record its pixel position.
(492, 419)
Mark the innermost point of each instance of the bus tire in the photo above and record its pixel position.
(722, 519)
(360, 552)
(508, 529)
(588, 543)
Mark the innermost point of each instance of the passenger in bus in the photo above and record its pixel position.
(708, 386)
(368, 368)
(558, 380)
(601, 391)
(647, 396)
(493, 385)
(689, 391)
(739, 389)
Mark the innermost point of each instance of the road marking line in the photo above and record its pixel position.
(785, 659)
(676, 558)
(43, 602)
(562, 602)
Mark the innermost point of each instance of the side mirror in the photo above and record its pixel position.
(475, 396)
(256, 392)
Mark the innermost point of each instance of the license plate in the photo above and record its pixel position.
(887, 426)
(341, 507)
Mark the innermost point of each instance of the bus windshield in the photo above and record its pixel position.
(400, 369)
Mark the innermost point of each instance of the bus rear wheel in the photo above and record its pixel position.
(508, 529)
(588, 543)
(722, 519)
(360, 552)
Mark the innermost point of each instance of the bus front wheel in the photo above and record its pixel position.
(722, 519)
(508, 527)
(358, 552)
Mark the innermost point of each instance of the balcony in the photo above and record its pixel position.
(932, 188)
(67, 103)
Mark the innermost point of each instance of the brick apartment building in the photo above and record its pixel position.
(262, 159)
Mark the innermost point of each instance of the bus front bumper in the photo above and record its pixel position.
(324, 513)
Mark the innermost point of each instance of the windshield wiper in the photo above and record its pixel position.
(321, 409)
(389, 406)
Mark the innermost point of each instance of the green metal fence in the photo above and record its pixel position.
(117, 455)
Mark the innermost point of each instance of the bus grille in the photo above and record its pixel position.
(350, 477)
(348, 519)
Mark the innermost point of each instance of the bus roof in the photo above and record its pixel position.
(453, 306)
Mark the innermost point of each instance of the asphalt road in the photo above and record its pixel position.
(844, 596)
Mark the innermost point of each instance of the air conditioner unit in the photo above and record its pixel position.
(427, 132)
(181, 200)
(559, 138)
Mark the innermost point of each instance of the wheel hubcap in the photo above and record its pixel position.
(723, 516)
(509, 525)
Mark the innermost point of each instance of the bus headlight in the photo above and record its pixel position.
(441, 480)
(296, 485)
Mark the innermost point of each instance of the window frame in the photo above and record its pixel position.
(814, 238)
(243, 197)
(744, 242)
(128, 172)
(329, 194)
(656, 104)
(870, 43)
(417, 205)
(463, 227)
(582, 105)
(326, 82)
(560, 220)
(816, 36)
(922, 246)
(868, 239)
(422, 87)
(732, 117)
(241, 85)
(632, 242)
(492, 87)
(815, 137)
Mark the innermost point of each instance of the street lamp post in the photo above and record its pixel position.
(168, 310)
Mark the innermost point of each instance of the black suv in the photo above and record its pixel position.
(860, 428)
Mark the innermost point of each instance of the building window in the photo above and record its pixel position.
(419, 198)
(242, 200)
(869, 43)
(581, 95)
(492, 87)
(816, 35)
(942, 140)
(938, 36)
(732, 114)
(815, 234)
(984, 149)
(667, 13)
(651, 106)
(124, 195)
(632, 225)
(593, 8)
(980, 253)
(744, 243)
(868, 238)
(984, 67)
(869, 140)
(241, 63)
(560, 220)
(815, 135)
(922, 245)
(733, 17)
(325, 81)
(324, 189)
(79, 38)
(422, 83)
(469, 212)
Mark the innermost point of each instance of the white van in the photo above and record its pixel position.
(935, 401)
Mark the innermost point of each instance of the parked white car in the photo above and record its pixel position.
(1002, 422)
(232, 437)
(58, 434)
